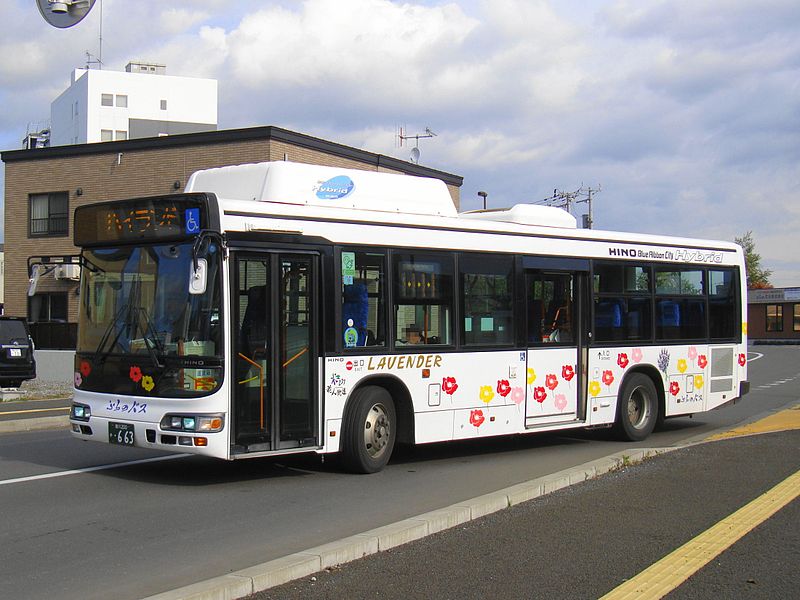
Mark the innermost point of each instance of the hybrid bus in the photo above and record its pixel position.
(279, 308)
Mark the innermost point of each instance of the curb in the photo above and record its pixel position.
(302, 564)
(34, 424)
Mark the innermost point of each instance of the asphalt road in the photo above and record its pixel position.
(79, 524)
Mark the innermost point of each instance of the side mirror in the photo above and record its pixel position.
(198, 277)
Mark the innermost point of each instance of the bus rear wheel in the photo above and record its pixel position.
(637, 408)
(369, 430)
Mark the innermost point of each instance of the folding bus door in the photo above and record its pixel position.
(275, 405)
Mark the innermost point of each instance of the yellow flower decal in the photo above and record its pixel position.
(531, 376)
(744, 328)
(594, 388)
(486, 393)
(148, 383)
(698, 382)
(682, 365)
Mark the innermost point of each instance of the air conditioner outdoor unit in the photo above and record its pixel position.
(72, 272)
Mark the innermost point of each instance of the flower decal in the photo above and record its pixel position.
(682, 365)
(518, 395)
(531, 376)
(742, 360)
(78, 379)
(567, 372)
(539, 395)
(551, 381)
(636, 355)
(449, 385)
(148, 383)
(622, 360)
(486, 394)
(135, 374)
(698, 382)
(503, 387)
(86, 368)
(476, 418)
(692, 352)
(674, 388)
(608, 377)
(702, 361)
(561, 402)
(594, 388)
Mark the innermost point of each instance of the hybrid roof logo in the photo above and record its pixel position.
(335, 188)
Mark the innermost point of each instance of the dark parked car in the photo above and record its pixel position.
(16, 352)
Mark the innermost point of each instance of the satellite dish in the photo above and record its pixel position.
(64, 13)
(415, 154)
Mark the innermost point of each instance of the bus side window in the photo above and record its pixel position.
(363, 299)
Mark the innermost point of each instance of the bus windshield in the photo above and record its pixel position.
(141, 329)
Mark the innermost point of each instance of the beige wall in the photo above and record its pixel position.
(111, 175)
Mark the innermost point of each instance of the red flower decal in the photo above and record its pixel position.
(551, 381)
(702, 361)
(622, 360)
(86, 368)
(503, 387)
(742, 360)
(539, 394)
(608, 377)
(567, 372)
(674, 388)
(135, 374)
(476, 418)
(449, 385)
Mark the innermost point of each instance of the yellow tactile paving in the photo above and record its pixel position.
(671, 571)
(781, 421)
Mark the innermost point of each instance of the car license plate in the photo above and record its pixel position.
(15, 352)
(120, 433)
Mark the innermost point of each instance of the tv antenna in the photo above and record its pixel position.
(415, 152)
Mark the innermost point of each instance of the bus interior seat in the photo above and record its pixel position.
(608, 319)
(356, 309)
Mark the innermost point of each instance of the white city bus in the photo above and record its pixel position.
(278, 308)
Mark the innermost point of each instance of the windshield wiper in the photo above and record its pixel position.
(99, 355)
(151, 340)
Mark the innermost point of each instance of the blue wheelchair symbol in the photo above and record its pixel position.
(192, 220)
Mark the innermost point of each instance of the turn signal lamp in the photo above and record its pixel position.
(205, 423)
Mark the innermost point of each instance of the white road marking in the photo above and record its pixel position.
(756, 357)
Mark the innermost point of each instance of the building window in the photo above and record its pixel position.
(106, 135)
(163, 105)
(120, 135)
(48, 307)
(48, 214)
(122, 101)
(796, 326)
(106, 99)
(775, 317)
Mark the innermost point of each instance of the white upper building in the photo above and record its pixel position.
(142, 101)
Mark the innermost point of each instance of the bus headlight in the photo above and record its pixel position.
(80, 412)
(204, 423)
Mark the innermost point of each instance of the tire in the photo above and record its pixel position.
(369, 430)
(637, 408)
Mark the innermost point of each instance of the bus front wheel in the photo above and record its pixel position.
(637, 408)
(370, 428)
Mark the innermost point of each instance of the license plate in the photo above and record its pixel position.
(120, 433)
(15, 352)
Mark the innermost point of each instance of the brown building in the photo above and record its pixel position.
(774, 314)
(44, 186)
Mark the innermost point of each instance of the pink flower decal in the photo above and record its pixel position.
(674, 388)
(518, 395)
(135, 374)
(692, 352)
(702, 361)
(503, 387)
(551, 381)
(567, 372)
(561, 402)
(476, 418)
(636, 355)
(86, 368)
(449, 385)
(622, 360)
(608, 377)
(539, 394)
(742, 360)
(78, 379)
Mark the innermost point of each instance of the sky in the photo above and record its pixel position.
(685, 114)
